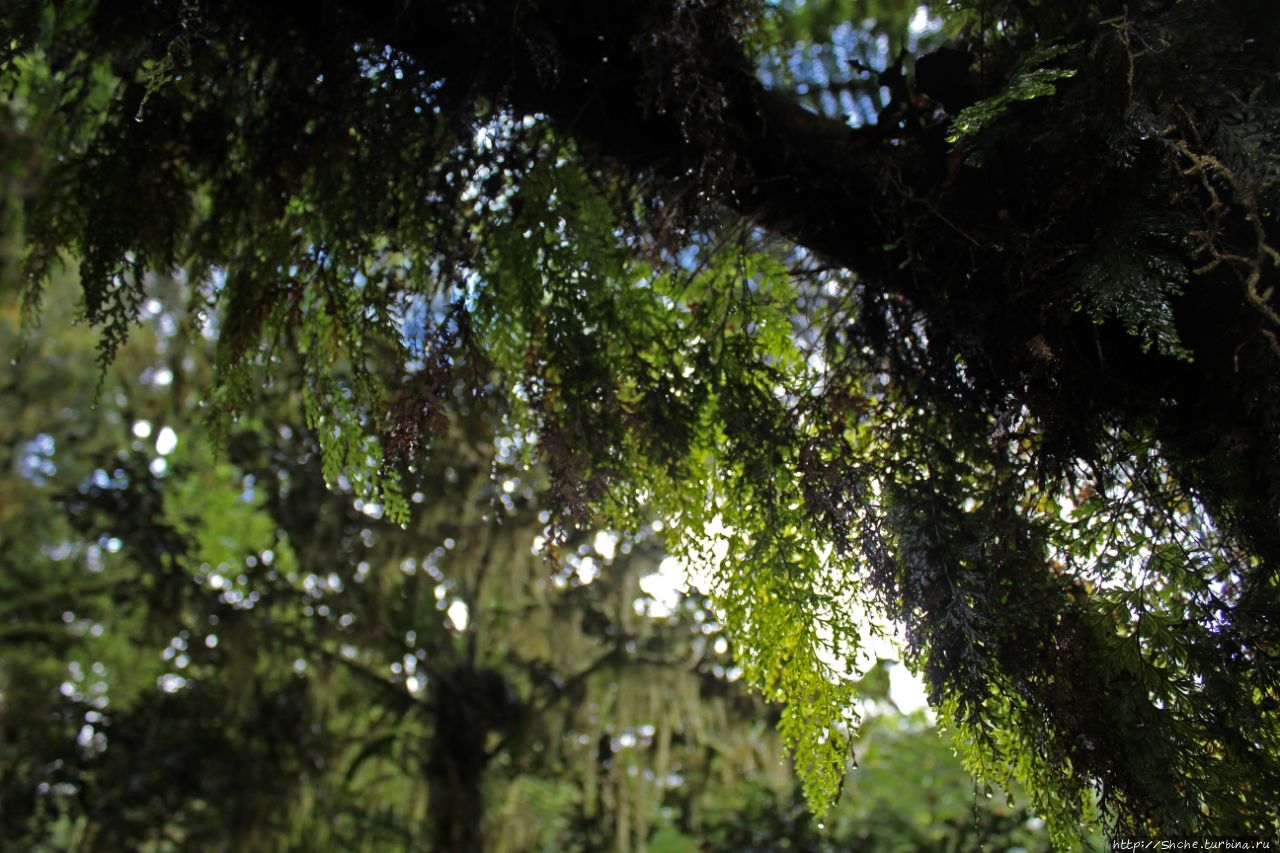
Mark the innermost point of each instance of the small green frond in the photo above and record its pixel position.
(1031, 82)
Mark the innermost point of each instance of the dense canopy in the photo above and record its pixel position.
(962, 317)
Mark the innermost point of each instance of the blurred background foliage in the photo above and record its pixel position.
(839, 58)
(407, 343)
(210, 651)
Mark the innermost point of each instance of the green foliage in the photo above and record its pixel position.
(1027, 83)
(206, 650)
(1138, 290)
(236, 664)
(1036, 426)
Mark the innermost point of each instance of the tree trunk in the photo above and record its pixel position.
(469, 705)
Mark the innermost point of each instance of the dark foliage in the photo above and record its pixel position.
(1045, 429)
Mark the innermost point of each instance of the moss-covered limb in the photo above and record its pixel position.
(1064, 271)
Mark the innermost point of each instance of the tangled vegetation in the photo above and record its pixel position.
(990, 352)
